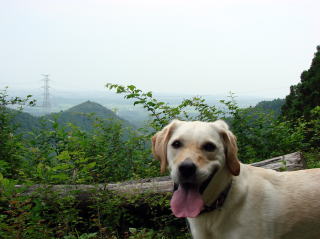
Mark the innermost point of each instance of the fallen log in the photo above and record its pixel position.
(289, 162)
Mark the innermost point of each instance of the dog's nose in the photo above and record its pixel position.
(187, 168)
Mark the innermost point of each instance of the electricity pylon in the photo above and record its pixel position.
(46, 106)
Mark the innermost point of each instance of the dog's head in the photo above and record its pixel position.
(195, 152)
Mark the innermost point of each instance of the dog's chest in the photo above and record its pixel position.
(209, 225)
(220, 224)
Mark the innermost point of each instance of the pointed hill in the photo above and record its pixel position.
(90, 107)
(82, 115)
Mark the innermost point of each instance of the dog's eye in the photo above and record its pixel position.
(210, 147)
(176, 144)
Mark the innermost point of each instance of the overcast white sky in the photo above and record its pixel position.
(250, 47)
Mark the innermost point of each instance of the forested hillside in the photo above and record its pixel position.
(272, 106)
(83, 116)
(305, 96)
(56, 153)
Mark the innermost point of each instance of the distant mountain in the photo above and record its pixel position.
(90, 107)
(82, 115)
(25, 121)
(273, 106)
(79, 115)
(63, 100)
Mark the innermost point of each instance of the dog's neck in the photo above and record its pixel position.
(220, 182)
(219, 202)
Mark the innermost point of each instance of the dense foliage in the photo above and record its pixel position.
(273, 106)
(58, 152)
(260, 134)
(305, 96)
(11, 148)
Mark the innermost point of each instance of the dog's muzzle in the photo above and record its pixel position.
(188, 176)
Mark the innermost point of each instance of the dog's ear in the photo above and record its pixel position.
(231, 148)
(159, 144)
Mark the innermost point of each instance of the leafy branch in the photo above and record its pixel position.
(162, 113)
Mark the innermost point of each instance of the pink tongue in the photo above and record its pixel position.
(186, 203)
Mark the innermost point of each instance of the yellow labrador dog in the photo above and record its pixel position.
(225, 199)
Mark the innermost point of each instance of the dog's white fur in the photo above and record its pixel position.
(261, 204)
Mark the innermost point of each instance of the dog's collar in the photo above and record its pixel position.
(218, 203)
(207, 181)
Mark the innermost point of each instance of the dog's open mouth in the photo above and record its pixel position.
(187, 199)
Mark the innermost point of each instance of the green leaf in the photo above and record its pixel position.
(131, 87)
(64, 156)
(120, 89)
(139, 102)
(61, 176)
(133, 230)
(91, 165)
(149, 94)
(151, 104)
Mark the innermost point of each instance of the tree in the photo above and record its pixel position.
(304, 96)
(10, 143)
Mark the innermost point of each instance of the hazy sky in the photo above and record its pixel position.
(254, 47)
